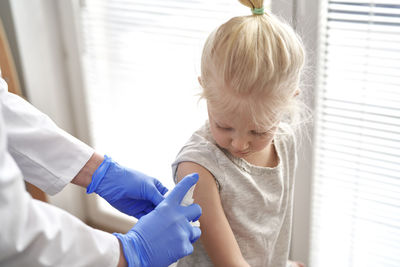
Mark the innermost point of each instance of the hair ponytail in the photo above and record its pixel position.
(253, 3)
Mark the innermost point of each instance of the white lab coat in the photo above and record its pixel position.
(33, 233)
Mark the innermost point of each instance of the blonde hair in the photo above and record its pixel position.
(258, 58)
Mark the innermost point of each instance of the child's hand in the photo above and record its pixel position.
(295, 264)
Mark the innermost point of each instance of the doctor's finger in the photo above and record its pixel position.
(149, 209)
(161, 188)
(183, 187)
(139, 215)
(193, 232)
(192, 212)
(196, 233)
(157, 197)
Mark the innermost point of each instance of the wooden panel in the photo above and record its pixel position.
(7, 66)
(35, 192)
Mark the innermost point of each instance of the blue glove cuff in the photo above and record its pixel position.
(129, 251)
(98, 175)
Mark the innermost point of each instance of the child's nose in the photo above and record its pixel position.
(240, 143)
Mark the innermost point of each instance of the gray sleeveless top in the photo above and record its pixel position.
(257, 201)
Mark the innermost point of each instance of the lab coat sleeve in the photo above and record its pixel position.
(47, 156)
(33, 233)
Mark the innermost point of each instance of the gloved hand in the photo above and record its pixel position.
(164, 235)
(127, 190)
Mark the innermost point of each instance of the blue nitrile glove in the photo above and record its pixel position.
(164, 235)
(127, 190)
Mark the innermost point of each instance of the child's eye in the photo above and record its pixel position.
(260, 133)
(223, 128)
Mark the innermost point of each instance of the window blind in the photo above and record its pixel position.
(356, 185)
(141, 61)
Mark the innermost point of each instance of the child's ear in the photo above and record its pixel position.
(200, 81)
(296, 93)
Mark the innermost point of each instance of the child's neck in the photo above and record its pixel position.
(267, 157)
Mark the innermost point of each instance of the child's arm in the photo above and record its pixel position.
(217, 236)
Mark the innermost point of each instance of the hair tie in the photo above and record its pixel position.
(258, 11)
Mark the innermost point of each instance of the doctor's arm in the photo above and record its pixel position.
(84, 176)
(34, 233)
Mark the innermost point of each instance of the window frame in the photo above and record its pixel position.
(304, 16)
(69, 20)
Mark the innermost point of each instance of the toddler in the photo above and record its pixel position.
(245, 153)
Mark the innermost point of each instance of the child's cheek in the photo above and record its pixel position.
(260, 145)
(221, 140)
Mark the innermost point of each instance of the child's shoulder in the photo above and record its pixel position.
(200, 149)
(201, 140)
(200, 146)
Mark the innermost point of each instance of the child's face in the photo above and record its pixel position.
(239, 134)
